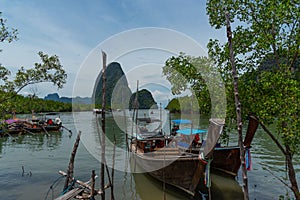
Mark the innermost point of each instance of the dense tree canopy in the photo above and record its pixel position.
(265, 30)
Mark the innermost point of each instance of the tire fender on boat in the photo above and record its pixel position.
(58, 121)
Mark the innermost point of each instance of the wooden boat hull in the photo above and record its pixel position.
(15, 131)
(227, 159)
(185, 170)
(52, 127)
(33, 129)
(169, 166)
(181, 166)
(181, 173)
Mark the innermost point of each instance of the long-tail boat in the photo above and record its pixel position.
(168, 160)
(48, 123)
(52, 123)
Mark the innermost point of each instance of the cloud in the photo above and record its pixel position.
(73, 29)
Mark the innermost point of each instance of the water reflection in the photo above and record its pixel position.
(222, 188)
(35, 142)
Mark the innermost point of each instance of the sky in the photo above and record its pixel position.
(139, 34)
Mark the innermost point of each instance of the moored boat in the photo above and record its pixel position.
(97, 111)
(155, 155)
(225, 158)
(12, 126)
(173, 161)
(172, 167)
(47, 123)
(52, 123)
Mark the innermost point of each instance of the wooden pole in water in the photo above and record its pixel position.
(103, 125)
(125, 123)
(238, 107)
(71, 163)
(137, 108)
(160, 116)
(113, 169)
(164, 167)
(104, 161)
(170, 120)
(93, 184)
(45, 130)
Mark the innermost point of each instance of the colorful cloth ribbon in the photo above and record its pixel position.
(248, 159)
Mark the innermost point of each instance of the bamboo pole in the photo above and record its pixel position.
(164, 168)
(238, 107)
(125, 123)
(102, 140)
(113, 169)
(103, 125)
(71, 163)
(93, 184)
(104, 161)
(45, 130)
(137, 108)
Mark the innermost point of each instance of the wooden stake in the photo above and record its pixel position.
(71, 163)
(93, 184)
(103, 125)
(113, 169)
(125, 122)
(137, 108)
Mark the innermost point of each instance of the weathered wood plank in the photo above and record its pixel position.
(71, 194)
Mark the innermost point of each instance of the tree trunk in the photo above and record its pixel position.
(291, 173)
(238, 108)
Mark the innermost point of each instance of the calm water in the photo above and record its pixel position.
(42, 156)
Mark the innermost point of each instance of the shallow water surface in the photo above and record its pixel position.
(42, 156)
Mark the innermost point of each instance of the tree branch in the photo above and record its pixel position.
(273, 138)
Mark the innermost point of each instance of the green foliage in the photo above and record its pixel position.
(201, 77)
(49, 70)
(262, 27)
(266, 44)
(181, 73)
(83, 107)
(277, 99)
(174, 106)
(24, 105)
(6, 34)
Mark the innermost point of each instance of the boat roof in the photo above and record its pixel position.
(181, 121)
(52, 113)
(188, 131)
(148, 135)
(10, 121)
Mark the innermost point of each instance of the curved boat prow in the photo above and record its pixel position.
(252, 127)
(215, 130)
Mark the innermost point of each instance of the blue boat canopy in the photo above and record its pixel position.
(188, 131)
(181, 121)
